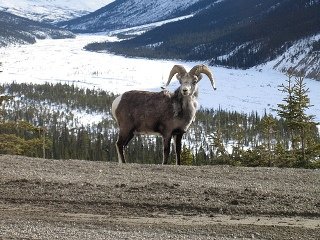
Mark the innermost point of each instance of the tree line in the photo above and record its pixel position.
(45, 121)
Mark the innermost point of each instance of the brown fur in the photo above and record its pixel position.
(153, 112)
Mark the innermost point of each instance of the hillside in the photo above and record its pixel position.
(70, 199)
(129, 13)
(18, 30)
(238, 34)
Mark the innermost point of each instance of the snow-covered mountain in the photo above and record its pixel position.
(18, 30)
(51, 10)
(129, 13)
(237, 34)
(303, 55)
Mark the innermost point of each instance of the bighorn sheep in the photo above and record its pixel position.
(165, 113)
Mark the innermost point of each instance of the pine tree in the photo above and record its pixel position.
(268, 130)
(217, 143)
(287, 110)
(238, 138)
(293, 111)
(186, 156)
(5, 98)
(303, 122)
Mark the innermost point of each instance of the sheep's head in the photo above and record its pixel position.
(189, 80)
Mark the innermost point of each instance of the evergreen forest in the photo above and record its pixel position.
(49, 121)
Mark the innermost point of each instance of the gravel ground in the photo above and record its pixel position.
(72, 199)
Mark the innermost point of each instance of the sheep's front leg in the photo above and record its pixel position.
(177, 143)
(166, 149)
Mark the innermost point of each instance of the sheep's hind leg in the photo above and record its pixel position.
(122, 142)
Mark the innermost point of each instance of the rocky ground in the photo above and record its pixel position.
(71, 199)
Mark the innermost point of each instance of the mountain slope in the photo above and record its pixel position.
(130, 13)
(302, 56)
(14, 29)
(241, 34)
(53, 10)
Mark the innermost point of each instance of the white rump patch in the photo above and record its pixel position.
(114, 106)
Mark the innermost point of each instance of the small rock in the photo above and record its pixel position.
(234, 202)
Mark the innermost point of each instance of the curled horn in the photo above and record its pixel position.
(176, 69)
(198, 69)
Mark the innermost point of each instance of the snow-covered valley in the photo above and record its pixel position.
(65, 61)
